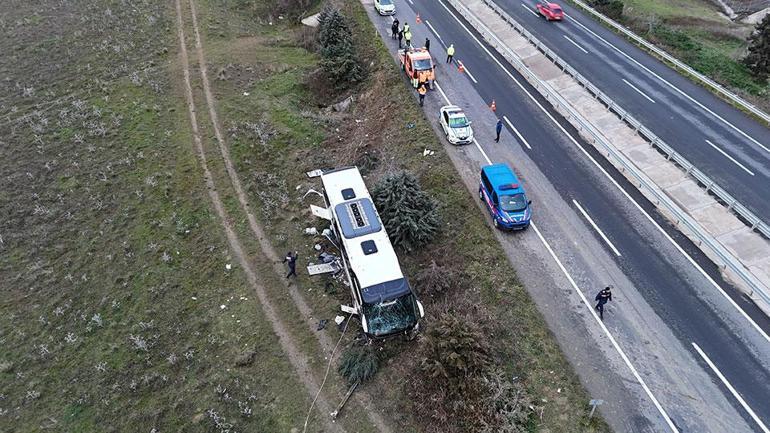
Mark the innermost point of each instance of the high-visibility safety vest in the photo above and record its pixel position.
(421, 90)
(451, 50)
(406, 28)
(408, 35)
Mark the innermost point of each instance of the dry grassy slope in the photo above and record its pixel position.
(117, 311)
(270, 103)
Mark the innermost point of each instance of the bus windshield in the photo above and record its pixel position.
(390, 317)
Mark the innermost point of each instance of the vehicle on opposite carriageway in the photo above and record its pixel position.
(550, 11)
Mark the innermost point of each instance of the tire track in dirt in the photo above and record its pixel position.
(296, 358)
(326, 343)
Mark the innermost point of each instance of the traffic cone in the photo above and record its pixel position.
(460, 67)
(493, 106)
(418, 20)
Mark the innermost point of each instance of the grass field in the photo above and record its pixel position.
(113, 268)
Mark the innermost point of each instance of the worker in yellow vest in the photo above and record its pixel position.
(450, 53)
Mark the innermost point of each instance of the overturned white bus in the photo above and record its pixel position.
(382, 297)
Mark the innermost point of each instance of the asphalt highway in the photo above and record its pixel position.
(726, 144)
(683, 297)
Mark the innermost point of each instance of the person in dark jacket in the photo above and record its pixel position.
(427, 44)
(394, 29)
(498, 129)
(400, 37)
(291, 260)
(602, 298)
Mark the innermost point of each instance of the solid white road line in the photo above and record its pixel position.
(575, 44)
(435, 32)
(529, 9)
(729, 157)
(516, 131)
(593, 224)
(616, 184)
(468, 71)
(647, 390)
(638, 91)
(731, 389)
(606, 331)
(410, 2)
(680, 91)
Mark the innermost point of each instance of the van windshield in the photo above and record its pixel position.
(422, 64)
(513, 202)
(389, 317)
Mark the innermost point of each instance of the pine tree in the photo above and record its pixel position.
(409, 214)
(338, 53)
(758, 58)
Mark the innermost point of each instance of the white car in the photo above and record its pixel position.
(457, 127)
(385, 7)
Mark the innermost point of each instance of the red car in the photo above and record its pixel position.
(550, 11)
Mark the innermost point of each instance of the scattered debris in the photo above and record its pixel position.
(228, 266)
(223, 306)
(246, 93)
(343, 105)
(311, 231)
(322, 324)
(339, 319)
(427, 152)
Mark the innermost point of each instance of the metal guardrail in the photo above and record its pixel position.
(676, 62)
(731, 202)
(551, 95)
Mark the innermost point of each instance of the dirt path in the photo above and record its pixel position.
(297, 359)
(326, 343)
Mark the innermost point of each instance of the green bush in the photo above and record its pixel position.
(359, 364)
(461, 388)
(611, 8)
(758, 58)
(409, 214)
(338, 53)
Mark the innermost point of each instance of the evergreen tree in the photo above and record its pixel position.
(338, 54)
(409, 214)
(758, 58)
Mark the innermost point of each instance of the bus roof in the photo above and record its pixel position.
(370, 253)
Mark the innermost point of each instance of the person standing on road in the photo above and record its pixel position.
(400, 36)
(450, 53)
(406, 28)
(498, 128)
(394, 29)
(407, 39)
(427, 44)
(602, 298)
(291, 260)
(422, 91)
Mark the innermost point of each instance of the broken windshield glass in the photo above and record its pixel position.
(389, 317)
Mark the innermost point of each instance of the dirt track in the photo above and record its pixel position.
(298, 360)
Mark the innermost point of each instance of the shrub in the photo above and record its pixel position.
(611, 8)
(338, 54)
(758, 58)
(461, 388)
(435, 280)
(359, 364)
(409, 214)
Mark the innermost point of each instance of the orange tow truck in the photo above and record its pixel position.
(418, 66)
